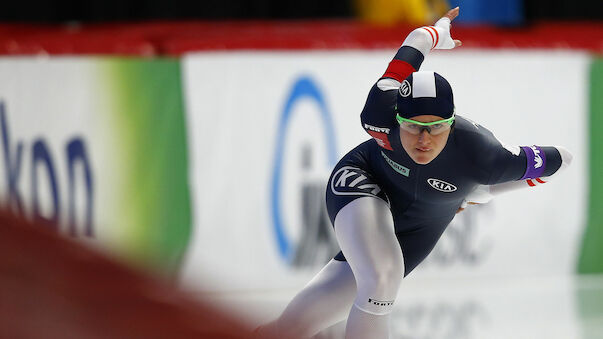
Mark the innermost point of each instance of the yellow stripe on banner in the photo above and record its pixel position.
(389, 12)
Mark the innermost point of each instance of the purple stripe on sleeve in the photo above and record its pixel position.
(536, 162)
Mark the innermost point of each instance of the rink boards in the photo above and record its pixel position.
(263, 128)
(214, 165)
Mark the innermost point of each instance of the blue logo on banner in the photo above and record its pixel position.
(42, 162)
(303, 88)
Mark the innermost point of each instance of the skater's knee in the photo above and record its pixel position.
(381, 279)
(377, 290)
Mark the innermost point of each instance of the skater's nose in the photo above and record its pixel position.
(424, 137)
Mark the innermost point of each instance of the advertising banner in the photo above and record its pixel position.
(97, 147)
(266, 128)
(592, 249)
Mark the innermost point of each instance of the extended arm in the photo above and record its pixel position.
(378, 116)
(500, 168)
(485, 193)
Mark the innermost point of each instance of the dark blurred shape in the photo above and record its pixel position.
(53, 287)
(113, 10)
(508, 12)
(566, 10)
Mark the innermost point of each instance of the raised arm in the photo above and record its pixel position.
(378, 116)
(418, 44)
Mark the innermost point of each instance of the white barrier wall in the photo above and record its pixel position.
(265, 129)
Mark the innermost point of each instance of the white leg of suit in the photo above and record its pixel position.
(365, 232)
(323, 302)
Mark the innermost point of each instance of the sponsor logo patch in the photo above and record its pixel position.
(515, 150)
(404, 89)
(350, 181)
(376, 129)
(381, 139)
(381, 302)
(396, 166)
(441, 185)
(537, 158)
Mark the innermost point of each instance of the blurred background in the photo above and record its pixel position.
(190, 142)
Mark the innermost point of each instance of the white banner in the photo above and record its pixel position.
(265, 129)
(92, 145)
(55, 136)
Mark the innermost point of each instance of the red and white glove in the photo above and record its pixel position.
(437, 36)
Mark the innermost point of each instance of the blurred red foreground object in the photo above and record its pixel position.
(53, 287)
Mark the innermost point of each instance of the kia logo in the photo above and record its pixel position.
(441, 185)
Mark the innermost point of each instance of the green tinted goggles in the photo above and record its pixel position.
(417, 127)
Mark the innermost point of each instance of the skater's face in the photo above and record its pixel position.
(423, 147)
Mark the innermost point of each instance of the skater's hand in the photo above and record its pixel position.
(443, 28)
(426, 38)
(452, 14)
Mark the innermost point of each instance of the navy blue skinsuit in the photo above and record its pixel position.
(423, 199)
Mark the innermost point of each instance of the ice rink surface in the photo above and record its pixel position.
(530, 308)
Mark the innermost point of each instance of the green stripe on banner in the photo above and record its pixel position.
(156, 201)
(591, 258)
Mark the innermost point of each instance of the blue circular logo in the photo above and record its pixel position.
(303, 88)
